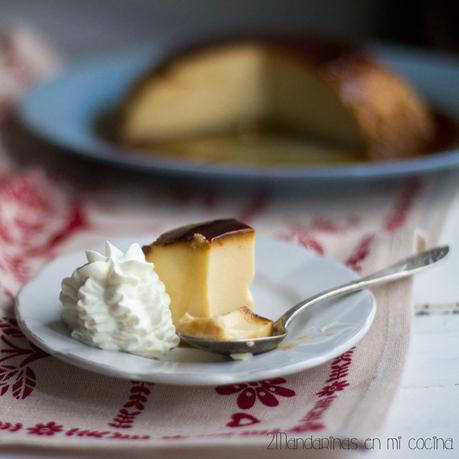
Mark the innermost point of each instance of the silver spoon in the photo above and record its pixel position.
(404, 268)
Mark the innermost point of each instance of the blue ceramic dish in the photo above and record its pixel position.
(64, 109)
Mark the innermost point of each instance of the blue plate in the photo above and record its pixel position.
(63, 111)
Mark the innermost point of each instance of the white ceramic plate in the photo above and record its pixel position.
(285, 274)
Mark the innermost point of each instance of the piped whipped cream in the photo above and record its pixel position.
(117, 302)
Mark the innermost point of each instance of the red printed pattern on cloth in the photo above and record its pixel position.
(335, 383)
(48, 429)
(51, 428)
(242, 420)
(127, 414)
(35, 216)
(304, 238)
(265, 391)
(360, 253)
(16, 355)
(403, 205)
(307, 234)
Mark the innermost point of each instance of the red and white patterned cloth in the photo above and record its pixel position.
(48, 403)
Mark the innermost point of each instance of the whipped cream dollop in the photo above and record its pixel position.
(116, 301)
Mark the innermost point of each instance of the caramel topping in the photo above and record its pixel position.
(202, 233)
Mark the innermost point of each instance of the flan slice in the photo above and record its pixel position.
(207, 268)
(242, 323)
(324, 90)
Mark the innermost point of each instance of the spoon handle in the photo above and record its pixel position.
(404, 268)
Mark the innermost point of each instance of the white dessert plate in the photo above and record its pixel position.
(285, 274)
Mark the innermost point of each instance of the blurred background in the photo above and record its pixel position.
(80, 29)
(86, 27)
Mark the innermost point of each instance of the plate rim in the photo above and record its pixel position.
(102, 151)
(183, 379)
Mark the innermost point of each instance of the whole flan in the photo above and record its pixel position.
(334, 92)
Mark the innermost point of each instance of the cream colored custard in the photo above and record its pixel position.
(207, 267)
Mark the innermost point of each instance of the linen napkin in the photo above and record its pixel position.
(47, 403)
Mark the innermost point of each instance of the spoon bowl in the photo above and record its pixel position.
(239, 346)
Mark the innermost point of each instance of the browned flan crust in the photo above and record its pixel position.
(394, 121)
(202, 233)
